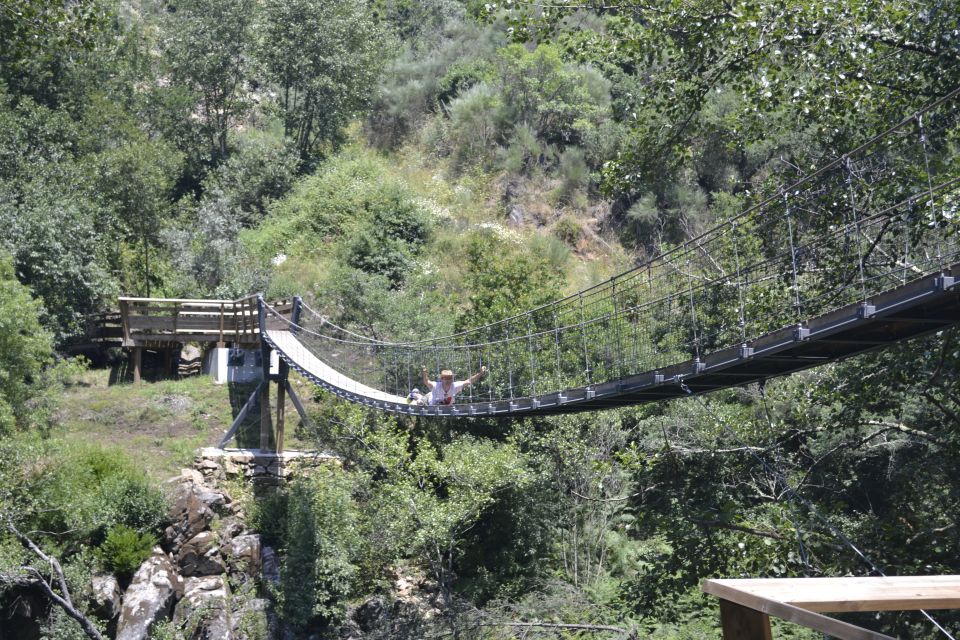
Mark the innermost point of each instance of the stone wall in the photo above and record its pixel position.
(260, 467)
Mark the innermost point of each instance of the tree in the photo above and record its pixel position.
(136, 180)
(38, 39)
(206, 44)
(830, 63)
(25, 349)
(324, 57)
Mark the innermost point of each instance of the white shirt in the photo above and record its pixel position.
(440, 396)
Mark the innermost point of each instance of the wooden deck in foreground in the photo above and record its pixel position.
(746, 605)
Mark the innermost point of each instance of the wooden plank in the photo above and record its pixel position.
(816, 621)
(180, 300)
(893, 593)
(742, 623)
(124, 316)
(139, 323)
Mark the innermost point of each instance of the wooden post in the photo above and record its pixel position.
(281, 401)
(265, 426)
(136, 356)
(742, 623)
(168, 361)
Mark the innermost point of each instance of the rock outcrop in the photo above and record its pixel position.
(200, 556)
(150, 596)
(243, 556)
(204, 610)
(193, 506)
(105, 596)
(203, 576)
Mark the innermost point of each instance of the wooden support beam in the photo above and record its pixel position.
(136, 359)
(265, 422)
(243, 414)
(296, 403)
(742, 623)
(281, 401)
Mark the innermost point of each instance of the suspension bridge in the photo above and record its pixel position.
(860, 253)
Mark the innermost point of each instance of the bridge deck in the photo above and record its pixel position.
(326, 376)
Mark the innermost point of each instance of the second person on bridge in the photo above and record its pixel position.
(444, 389)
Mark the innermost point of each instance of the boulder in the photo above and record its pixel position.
(253, 620)
(204, 612)
(105, 596)
(229, 528)
(243, 556)
(200, 556)
(372, 613)
(150, 596)
(270, 565)
(193, 507)
(231, 468)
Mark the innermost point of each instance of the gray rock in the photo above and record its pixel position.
(204, 613)
(372, 613)
(252, 620)
(150, 597)
(105, 596)
(192, 508)
(516, 215)
(270, 565)
(230, 527)
(243, 556)
(200, 556)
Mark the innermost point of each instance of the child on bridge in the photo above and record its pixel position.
(444, 389)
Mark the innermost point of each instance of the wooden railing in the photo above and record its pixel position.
(103, 327)
(746, 605)
(148, 320)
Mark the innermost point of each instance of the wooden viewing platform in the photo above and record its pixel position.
(167, 323)
(161, 321)
(746, 605)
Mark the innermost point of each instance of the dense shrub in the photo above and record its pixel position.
(391, 235)
(259, 171)
(84, 493)
(560, 101)
(322, 542)
(125, 549)
(30, 376)
(419, 82)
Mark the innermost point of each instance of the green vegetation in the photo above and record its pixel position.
(418, 168)
(124, 550)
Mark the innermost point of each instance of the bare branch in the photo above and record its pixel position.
(63, 601)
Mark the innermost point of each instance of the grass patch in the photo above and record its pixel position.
(159, 425)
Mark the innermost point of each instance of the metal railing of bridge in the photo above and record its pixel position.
(873, 219)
